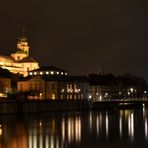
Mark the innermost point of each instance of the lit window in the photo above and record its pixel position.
(51, 72)
(66, 74)
(62, 90)
(35, 73)
(70, 96)
(41, 73)
(47, 72)
(30, 73)
(61, 96)
(57, 73)
(61, 73)
(53, 96)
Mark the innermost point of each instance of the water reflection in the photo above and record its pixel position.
(145, 122)
(61, 130)
(120, 124)
(106, 124)
(131, 125)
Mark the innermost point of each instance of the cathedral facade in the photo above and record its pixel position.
(19, 62)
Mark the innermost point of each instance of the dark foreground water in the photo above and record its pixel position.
(98, 129)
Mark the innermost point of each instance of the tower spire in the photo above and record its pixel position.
(23, 42)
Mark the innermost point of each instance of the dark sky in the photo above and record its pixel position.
(82, 36)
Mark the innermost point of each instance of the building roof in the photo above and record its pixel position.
(59, 78)
(6, 59)
(28, 60)
(49, 68)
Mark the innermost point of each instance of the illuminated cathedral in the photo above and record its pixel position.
(19, 62)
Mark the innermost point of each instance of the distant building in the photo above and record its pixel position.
(104, 92)
(104, 87)
(20, 61)
(54, 85)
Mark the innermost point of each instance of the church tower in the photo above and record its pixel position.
(20, 61)
(22, 43)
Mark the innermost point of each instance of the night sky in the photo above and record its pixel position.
(81, 36)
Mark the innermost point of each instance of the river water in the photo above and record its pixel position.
(87, 129)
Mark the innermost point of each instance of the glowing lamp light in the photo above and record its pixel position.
(40, 123)
(51, 72)
(90, 96)
(132, 90)
(128, 93)
(106, 94)
(100, 97)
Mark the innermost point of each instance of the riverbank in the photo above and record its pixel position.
(35, 106)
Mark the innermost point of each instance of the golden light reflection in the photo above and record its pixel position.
(63, 130)
(70, 130)
(34, 138)
(78, 129)
(1, 131)
(145, 122)
(30, 139)
(120, 124)
(106, 124)
(47, 141)
(90, 121)
(131, 125)
(20, 139)
(99, 124)
(74, 130)
(51, 142)
(145, 129)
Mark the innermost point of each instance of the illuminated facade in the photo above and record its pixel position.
(54, 87)
(20, 61)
